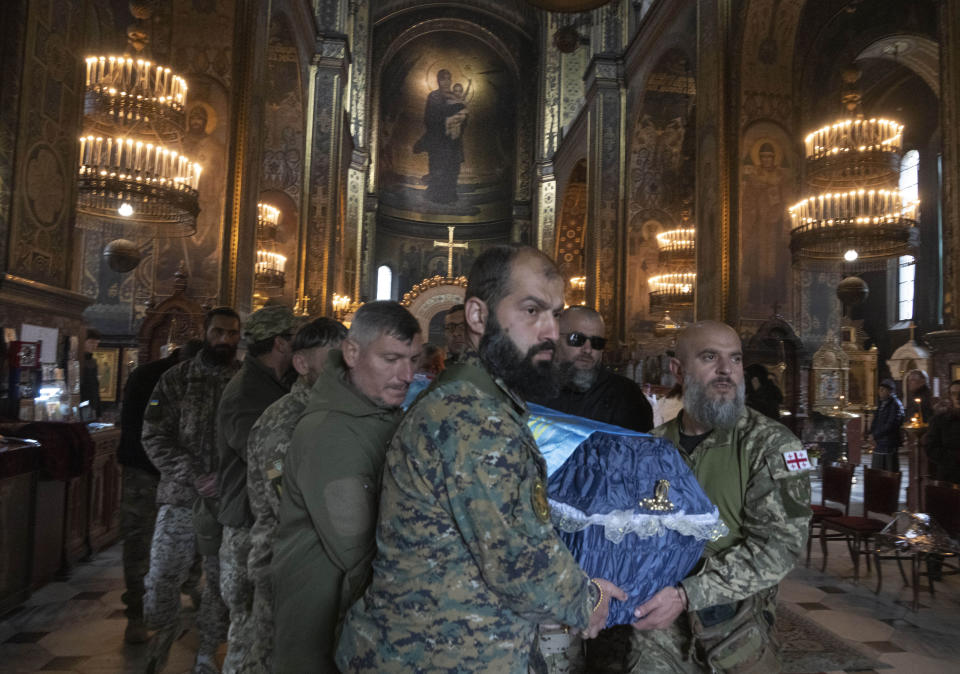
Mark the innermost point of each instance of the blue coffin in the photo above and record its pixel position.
(625, 503)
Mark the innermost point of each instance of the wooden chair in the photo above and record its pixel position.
(837, 483)
(881, 495)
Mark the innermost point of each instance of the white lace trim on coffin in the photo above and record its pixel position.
(618, 523)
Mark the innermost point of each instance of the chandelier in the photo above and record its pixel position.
(672, 291)
(676, 246)
(676, 252)
(132, 177)
(857, 211)
(269, 267)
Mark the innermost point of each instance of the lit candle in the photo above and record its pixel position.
(83, 145)
(156, 84)
(138, 157)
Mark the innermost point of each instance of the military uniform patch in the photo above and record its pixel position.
(539, 498)
(797, 460)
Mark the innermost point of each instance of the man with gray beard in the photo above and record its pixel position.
(588, 389)
(721, 617)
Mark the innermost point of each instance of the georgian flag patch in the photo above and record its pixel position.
(797, 460)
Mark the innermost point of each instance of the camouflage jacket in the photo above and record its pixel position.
(179, 426)
(268, 443)
(765, 505)
(467, 559)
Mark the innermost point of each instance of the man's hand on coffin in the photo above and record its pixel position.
(661, 609)
(598, 619)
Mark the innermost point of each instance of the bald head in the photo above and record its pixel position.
(709, 367)
(580, 348)
(695, 335)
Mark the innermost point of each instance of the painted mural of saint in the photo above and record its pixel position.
(444, 117)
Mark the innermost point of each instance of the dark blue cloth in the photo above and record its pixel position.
(612, 471)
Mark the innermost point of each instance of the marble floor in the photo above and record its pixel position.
(77, 626)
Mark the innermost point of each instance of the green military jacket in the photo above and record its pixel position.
(179, 426)
(328, 513)
(268, 444)
(467, 560)
(765, 505)
(254, 388)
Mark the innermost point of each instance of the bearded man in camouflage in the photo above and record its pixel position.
(266, 447)
(721, 617)
(179, 436)
(467, 559)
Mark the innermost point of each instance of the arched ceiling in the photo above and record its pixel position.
(512, 12)
(919, 54)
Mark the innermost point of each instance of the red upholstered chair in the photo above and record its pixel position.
(837, 483)
(881, 495)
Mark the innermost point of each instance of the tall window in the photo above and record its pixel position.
(907, 267)
(384, 283)
(906, 271)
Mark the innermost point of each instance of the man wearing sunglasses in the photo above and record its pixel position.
(589, 389)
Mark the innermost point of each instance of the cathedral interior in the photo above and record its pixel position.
(790, 167)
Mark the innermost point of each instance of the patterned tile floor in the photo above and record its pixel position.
(77, 626)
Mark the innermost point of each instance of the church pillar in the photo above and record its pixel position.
(713, 174)
(950, 163)
(251, 31)
(325, 129)
(548, 127)
(41, 99)
(604, 237)
(357, 285)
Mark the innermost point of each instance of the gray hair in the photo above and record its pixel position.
(383, 317)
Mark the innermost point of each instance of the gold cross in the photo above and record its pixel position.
(449, 245)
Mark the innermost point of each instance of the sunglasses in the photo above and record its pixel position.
(577, 339)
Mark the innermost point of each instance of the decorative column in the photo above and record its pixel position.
(548, 131)
(325, 129)
(39, 44)
(712, 205)
(950, 126)
(251, 30)
(604, 238)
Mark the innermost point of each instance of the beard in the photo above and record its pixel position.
(221, 354)
(519, 372)
(576, 378)
(715, 413)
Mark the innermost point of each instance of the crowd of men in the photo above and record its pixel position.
(337, 532)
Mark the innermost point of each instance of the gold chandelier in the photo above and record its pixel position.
(857, 211)
(132, 178)
(269, 269)
(672, 291)
(676, 252)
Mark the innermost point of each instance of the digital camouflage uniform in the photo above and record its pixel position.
(249, 393)
(179, 436)
(268, 443)
(328, 515)
(138, 503)
(766, 507)
(467, 560)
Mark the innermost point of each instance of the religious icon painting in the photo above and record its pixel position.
(447, 131)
